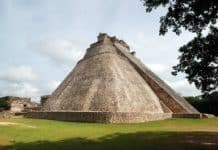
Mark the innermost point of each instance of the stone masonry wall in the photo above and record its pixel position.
(174, 102)
(19, 104)
(99, 117)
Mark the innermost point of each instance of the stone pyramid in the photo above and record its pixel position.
(111, 85)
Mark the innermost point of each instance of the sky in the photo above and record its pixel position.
(41, 41)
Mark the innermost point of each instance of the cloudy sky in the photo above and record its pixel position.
(41, 40)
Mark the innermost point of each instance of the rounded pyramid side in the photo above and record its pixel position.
(104, 81)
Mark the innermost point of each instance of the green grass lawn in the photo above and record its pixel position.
(179, 134)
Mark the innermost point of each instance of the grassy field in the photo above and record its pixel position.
(178, 134)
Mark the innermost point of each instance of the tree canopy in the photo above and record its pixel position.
(207, 104)
(198, 58)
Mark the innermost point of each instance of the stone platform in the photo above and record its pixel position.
(99, 117)
(192, 115)
(111, 117)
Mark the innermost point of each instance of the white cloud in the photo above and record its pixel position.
(53, 85)
(163, 71)
(20, 89)
(18, 74)
(19, 81)
(184, 88)
(60, 51)
(48, 88)
(178, 83)
(158, 68)
(152, 48)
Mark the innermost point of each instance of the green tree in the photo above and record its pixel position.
(198, 58)
(206, 104)
(4, 105)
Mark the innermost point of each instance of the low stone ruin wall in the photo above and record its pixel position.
(6, 114)
(192, 115)
(99, 117)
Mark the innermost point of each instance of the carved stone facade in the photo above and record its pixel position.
(17, 104)
(99, 117)
(110, 82)
(43, 99)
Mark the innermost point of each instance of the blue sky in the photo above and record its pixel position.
(41, 40)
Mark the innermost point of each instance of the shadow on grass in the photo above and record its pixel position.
(139, 140)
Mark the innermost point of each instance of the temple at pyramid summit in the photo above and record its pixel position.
(110, 85)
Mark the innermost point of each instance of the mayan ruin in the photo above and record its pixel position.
(109, 84)
(13, 105)
(109, 75)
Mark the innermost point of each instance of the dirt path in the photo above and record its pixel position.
(14, 123)
(7, 123)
